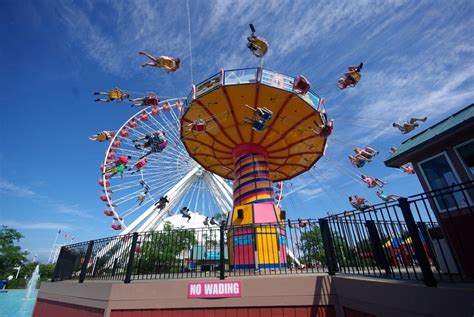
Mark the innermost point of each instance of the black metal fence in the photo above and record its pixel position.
(424, 237)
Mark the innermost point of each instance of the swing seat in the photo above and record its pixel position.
(198, 126)
(355, 77)
(259, 125)
(151, 101)
(163, 145)
(258, 46)
(115, 94)
(301, 85)
(264, 113)
(168, 63)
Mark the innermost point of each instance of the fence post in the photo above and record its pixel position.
(59, 265)
(429, 243)
(328, 246)
(222, 255)
(128, 274)
(428, 277)
(94, 270)
(86, 260)
(114, 268)
(376, 244)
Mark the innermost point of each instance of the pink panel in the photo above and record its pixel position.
(264, 213)
(283, 254)
(244, 254)
(242, 231)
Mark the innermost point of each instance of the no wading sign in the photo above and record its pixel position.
(214, 289)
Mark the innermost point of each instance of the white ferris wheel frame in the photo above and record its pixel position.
(149, 219)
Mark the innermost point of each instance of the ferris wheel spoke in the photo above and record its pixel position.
(172, 126)
(165, 127)
(170, 172)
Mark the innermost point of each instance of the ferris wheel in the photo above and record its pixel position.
(151, 186)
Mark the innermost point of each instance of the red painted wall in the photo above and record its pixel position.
(314, 311)
(47, 308)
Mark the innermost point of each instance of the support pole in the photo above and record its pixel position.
(428, 277)
(376, 245)
(128, 274)
(328, 246)
(59, 266)
(222, 250)
(82, 276)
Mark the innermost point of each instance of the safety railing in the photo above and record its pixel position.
(426, 237)
(249, 76)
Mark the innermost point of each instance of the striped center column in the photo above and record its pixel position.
(251, 176)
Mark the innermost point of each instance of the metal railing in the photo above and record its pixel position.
(244, 76)
(415, 238)
(423, 237)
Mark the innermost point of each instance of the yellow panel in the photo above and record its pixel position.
(248, 215)
(260, 196)
(267, 246)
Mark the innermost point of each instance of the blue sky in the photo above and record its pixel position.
(418, 62)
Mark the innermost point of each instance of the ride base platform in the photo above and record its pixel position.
(319, 295)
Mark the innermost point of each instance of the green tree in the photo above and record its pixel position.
(28, 268)
(313, 247)
(163, 251)
(46, 271)
(220, 217)
(11, 254)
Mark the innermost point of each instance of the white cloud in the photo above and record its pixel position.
(416, 58)
(11, 189)
(73, 209)
(35, 225)
(8, 188)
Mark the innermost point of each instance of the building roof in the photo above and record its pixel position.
(446, 126)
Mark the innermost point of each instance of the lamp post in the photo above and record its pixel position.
(18, 268)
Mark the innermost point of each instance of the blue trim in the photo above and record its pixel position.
(272, 266)
(256, 191)
(265, 200)
(252, 181)
(255, 173)
(250, 164)
(242, 266)
(245, 239)
(244, 157)
(262, 266)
